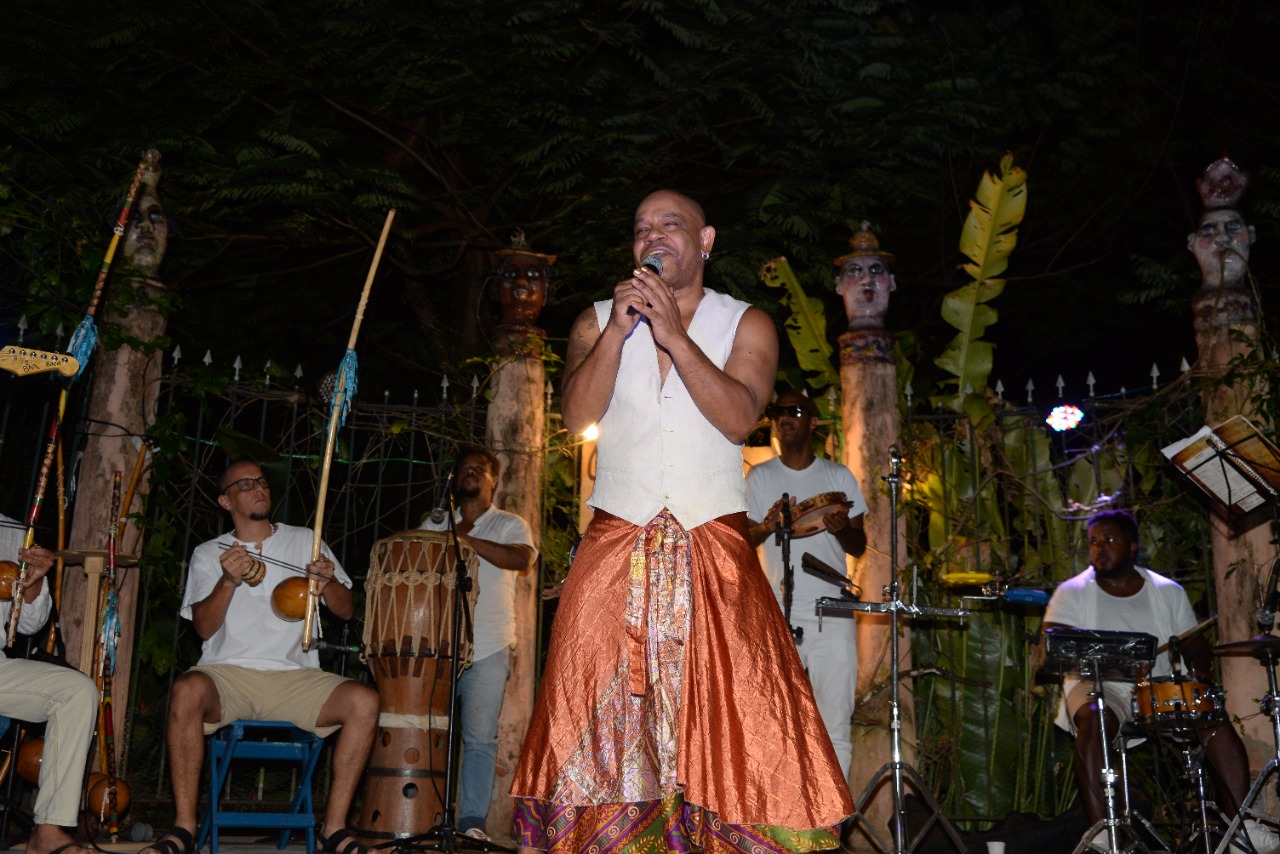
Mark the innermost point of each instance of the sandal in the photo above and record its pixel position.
(185, 844)
(331, 843)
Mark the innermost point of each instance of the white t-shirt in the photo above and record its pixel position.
(1160, 609)
(252, 635)
(34, 614)
(495, 615)
(766, 483)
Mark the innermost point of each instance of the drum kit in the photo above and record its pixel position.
(1178, 709)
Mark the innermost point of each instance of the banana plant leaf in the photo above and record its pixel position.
(806, 325)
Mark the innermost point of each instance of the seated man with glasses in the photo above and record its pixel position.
(1115, 594)
(253, 666)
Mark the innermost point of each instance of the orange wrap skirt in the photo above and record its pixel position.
(673, 702)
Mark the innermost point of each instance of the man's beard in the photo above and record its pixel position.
(259, 516)
(466, 492)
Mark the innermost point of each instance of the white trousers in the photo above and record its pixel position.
(831, 658)
(67, 702)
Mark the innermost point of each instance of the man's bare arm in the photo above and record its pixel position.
(732, 399)
(590, 371)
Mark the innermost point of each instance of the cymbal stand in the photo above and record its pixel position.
(1270, 705)
(1113, 823)
(782, 536)
(899, 771)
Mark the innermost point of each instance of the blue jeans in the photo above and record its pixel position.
(480, 691)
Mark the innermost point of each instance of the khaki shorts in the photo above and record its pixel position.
(296, 696)
(1118, 696)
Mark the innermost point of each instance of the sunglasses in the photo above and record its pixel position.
(795, 411)
(246, 484)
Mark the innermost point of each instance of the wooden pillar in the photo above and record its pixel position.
(1226, 327)
(516, 433)
(122, 405)
(868, 380)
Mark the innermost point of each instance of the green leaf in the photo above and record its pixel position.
(806, 325)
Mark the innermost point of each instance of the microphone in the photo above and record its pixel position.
(895, 460)
(442, 506)
(653, 263)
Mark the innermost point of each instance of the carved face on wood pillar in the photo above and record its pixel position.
(864, 281)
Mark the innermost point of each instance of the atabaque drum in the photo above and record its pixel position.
(807, 515)
(1175, 703)
(408, 643)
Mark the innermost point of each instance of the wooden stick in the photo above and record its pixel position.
(335, 408)
(42, 483)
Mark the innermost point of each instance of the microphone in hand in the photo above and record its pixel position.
(653, 263)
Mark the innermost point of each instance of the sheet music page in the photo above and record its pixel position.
(1198, 455)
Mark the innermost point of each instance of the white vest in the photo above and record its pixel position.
(655, 448)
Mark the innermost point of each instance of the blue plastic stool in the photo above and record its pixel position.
(243, 740)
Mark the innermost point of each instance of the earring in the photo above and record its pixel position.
(706, 256)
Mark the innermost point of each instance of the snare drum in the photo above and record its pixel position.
(408, 644)
(807, 515)
(1175, 703)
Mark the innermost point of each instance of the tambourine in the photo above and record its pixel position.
(807, 515)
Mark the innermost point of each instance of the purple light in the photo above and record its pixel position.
(1064, 417)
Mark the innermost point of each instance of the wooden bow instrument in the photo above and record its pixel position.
(344, 388)
(79, 349)
(86, 335)
(33, 515)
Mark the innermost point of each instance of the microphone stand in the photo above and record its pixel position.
(899, 771)
(445, 835)
(782, 536)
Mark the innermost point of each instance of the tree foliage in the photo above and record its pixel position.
(288, 128)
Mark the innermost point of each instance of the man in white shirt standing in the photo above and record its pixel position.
(253, 666)
(65, 700)
(503, 543)
(829, 651)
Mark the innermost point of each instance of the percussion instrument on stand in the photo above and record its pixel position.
(408, 643)
(1265, 648)
(1102, 655)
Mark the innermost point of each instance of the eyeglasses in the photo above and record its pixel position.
(246, 484)
(795, 411)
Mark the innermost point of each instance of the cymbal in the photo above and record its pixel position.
(1261, 645)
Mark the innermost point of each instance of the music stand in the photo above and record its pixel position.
(899, 771)
(445, 836)
(1234, 466)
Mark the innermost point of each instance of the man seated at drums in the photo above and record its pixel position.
(829, 652)
(1115, 594)
(64, 699)
(503, 543)
(253, 666)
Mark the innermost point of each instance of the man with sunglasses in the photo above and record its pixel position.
(828, 650)
(252, 666)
